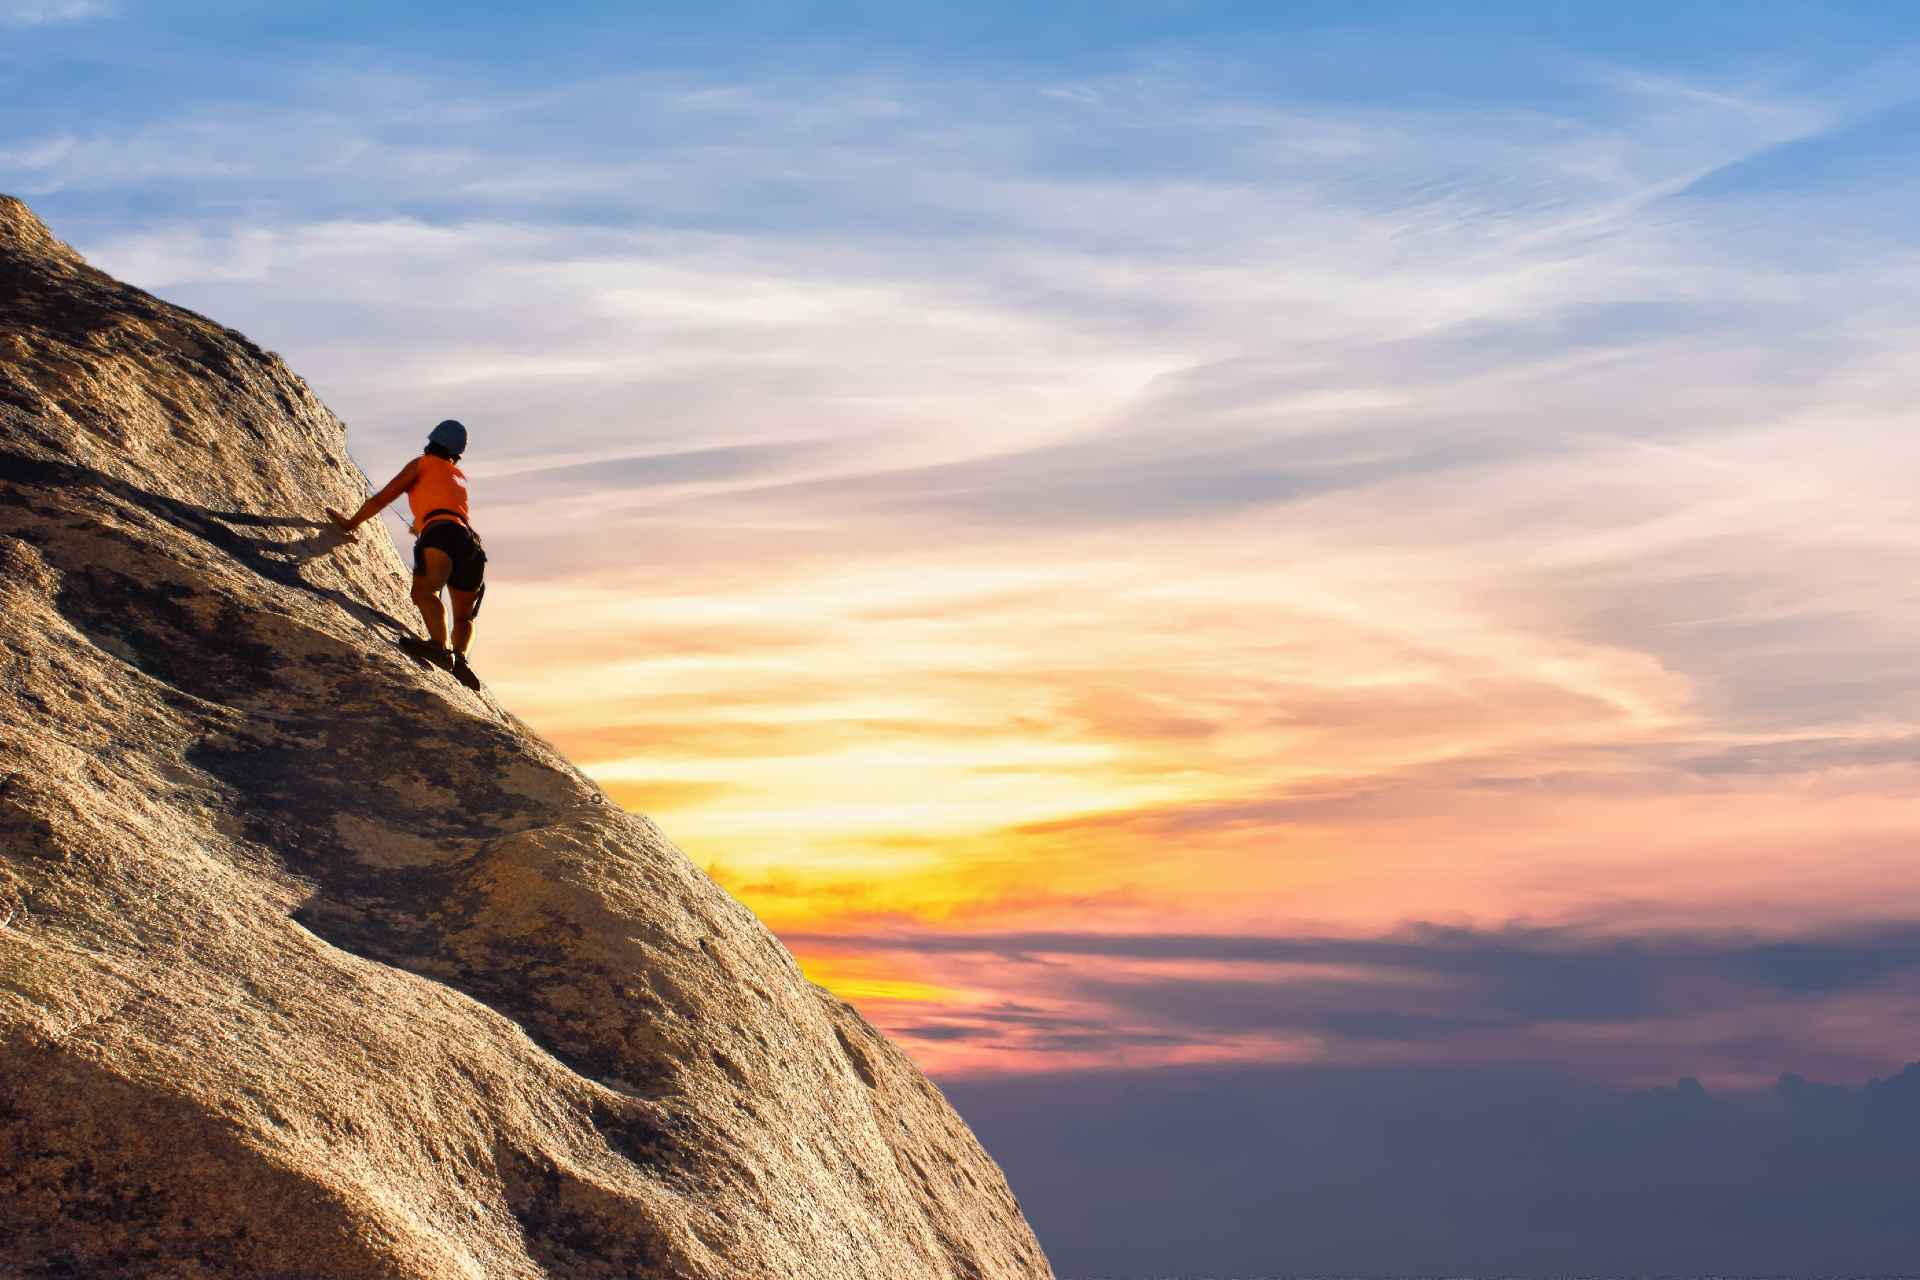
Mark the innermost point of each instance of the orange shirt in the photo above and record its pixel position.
(440, 486)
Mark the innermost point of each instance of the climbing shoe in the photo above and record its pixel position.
(428, 651)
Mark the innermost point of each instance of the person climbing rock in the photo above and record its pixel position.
(446, 551)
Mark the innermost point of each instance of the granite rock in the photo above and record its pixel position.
(314, 963)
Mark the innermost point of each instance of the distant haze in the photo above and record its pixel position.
(1264, 1171)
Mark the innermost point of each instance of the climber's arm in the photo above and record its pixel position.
(373, 506)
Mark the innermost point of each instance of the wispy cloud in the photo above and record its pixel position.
(33, 13)
(1140, 494)
(1616, 1003)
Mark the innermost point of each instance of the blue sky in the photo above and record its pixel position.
(1146, 539)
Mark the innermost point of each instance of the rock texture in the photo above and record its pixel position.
(314, 963)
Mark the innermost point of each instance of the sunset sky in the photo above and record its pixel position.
(1138, 534)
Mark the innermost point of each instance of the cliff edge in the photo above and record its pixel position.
(314, 963)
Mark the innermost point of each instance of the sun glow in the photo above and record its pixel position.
(1014, 736)
(1288, 727)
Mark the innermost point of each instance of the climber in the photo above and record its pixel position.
(446, 551)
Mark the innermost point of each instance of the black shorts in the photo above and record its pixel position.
(462, 546)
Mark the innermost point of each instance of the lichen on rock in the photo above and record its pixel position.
(313, 962)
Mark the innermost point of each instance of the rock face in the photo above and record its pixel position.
(314, 963)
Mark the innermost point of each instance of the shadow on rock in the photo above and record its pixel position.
(269, 557)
